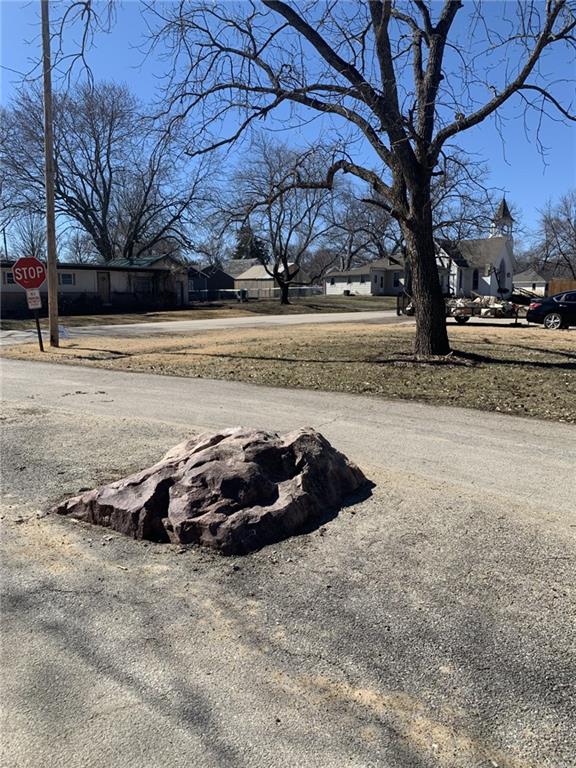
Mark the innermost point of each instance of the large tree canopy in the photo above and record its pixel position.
(405, 77)
(118, 179)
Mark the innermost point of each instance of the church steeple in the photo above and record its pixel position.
(502, 221)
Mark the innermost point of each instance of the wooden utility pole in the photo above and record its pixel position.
(51, 262)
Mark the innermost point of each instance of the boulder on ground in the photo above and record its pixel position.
(234, 490)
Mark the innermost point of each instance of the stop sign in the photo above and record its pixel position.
(29, 272)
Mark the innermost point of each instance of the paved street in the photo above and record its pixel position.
(428, 625)
(189, 326)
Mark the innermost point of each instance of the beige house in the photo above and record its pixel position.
(259, 283)
(122, 285)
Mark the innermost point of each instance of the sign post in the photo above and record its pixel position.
(35, 303)
(29, 273)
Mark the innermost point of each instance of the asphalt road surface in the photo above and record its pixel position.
(431, 624)
(128, 330)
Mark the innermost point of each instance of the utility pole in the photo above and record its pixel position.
(51, 261)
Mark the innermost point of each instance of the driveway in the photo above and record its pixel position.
(8, 338)
(429, 625)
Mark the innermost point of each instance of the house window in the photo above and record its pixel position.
(376, 279)
(533, 286)
(9, 278)
(362, 278)
(396, 279)
(332, 281)
(381, 281)
(475, 277)
(66, 278)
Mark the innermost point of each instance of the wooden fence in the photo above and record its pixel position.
(557, 285)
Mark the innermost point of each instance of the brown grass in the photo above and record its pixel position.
(526, 370)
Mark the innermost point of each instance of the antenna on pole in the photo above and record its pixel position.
(51, 261)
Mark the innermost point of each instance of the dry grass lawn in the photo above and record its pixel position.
(525, 371)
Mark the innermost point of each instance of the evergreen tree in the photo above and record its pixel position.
(248, 246)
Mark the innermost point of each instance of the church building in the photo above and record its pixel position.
(483, 266)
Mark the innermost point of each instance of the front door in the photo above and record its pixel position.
(103, 279)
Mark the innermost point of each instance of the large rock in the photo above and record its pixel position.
(234, 490)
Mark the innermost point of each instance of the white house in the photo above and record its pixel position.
(121, 285)
(483, 266)
(384, 277)
(531, 281)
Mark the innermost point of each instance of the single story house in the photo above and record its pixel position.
(154, 282)
(384, 277)
(532, 281)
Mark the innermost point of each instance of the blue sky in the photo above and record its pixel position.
(516, 167)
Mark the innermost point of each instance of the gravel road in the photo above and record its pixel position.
(431, 624)
(131, 330)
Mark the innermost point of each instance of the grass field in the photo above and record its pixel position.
(209, 310)
(525, 370)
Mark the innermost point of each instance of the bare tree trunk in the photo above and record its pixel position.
(431, 334)
(284, 295)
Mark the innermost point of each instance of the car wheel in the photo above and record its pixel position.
(553, 321)
(461, 319)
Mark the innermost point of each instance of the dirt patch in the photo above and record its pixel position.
(524, 370)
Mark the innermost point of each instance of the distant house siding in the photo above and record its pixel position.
(538, 288)
(335, 286)
(377, 282)
(80, 289)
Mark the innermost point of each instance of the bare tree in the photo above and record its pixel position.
(398, 74)
(127, 185)
(29, 236)
(555, 248)
(463, 203)
(362, 229)
(289, 219)
(79, 248)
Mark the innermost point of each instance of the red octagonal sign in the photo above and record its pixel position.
(29, 272)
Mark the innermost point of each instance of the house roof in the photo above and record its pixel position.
(98, 266)
(258, 272)
(529, 276)
(236, 267)
(387, 263)
(474, 253)
(142, 261)
(544, 274)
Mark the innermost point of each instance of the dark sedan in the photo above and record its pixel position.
(554, 312)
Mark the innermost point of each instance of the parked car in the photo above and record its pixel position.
(554, 312)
